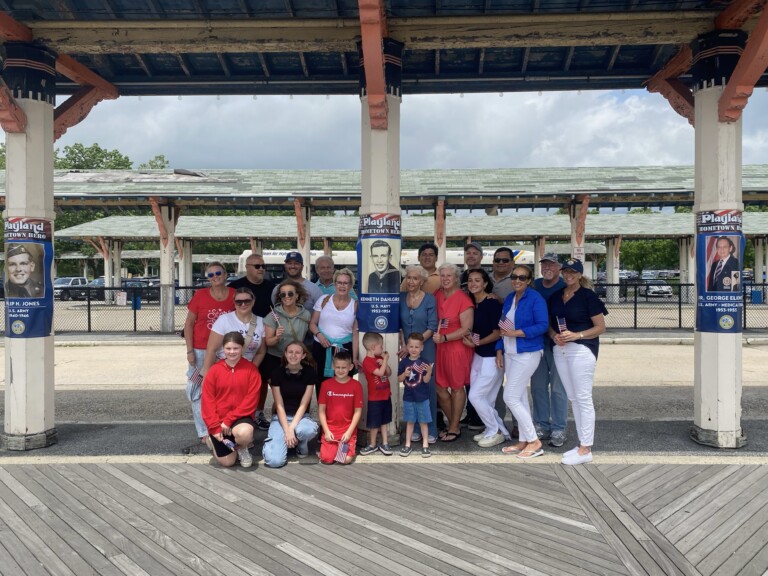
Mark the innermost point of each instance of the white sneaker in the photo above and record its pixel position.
(575, 459)
(478, 437)
(571, 452)
(489, 441)
(244, 455)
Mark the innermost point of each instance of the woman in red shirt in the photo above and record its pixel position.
(230, 393)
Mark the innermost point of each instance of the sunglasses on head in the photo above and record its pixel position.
(287, 294)
(522, 277)
(243, 302)
(212, 274)
(257, 266)
(502, 260)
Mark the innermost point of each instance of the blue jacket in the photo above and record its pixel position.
(531, 317)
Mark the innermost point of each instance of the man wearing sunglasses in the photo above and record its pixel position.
(503, 262)
(254, 279)
(294, 268)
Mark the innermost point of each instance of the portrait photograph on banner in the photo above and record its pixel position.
(378, 258)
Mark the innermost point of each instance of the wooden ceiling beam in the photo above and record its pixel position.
(341, 35)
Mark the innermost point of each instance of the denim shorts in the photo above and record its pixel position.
(417, 412)
(379, 413)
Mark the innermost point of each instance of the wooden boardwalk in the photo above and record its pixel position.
(385, 518)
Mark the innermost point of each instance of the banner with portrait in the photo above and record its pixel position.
(719, 256)
(27, 278)
(378, 263)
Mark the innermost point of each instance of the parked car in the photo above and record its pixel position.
(655, 288)
(70, 288)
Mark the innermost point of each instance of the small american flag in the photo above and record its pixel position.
(506, 324)
(341, 453)
(475, 338)
(420, 368)
(274, 315)
(561, 324)
(196, 377)
(443, 324)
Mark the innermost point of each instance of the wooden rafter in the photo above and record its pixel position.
(678, 95)
(13, 31)
(12, 117)
(373, 28)
(751, 66)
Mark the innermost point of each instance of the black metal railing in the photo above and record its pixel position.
(631, 305)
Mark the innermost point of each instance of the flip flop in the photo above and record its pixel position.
(528, 454)
(511, 450)
(451, 436)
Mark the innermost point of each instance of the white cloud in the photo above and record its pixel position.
(437, 131)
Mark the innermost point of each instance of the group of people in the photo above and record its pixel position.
(461, 336)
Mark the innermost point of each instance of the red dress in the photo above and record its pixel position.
(453, 360)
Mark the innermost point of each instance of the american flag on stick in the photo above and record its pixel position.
(561, 324)
(196, 377)
(420, 368)
(341, 453)
(506, 324)
(443, 324)
(475, 338)
(274, 315)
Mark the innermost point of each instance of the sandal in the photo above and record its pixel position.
(451, 436)
(512, 449)
(529, 453)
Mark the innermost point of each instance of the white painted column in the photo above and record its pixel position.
(539, 249)
(29, 362)
(304, 237)
(167, 266)
(760, 254)
(186, 278)
(687, 266)
(717, 355)
(381, 194)
(113, 269)
(612, 267)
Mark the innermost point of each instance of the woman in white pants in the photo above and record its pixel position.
(576, 322)
(523, 324)
(485, 376)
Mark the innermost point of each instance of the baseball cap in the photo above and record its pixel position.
(294, 256)
(550, 257)
(475, 245)
(573, 264)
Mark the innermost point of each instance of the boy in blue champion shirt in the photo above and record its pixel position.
(415, 374)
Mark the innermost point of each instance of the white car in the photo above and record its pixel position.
(655, 288)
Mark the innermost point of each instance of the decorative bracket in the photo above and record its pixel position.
(300, 229)
(373, 27)
(12, 117)
(440, 221)
(155, 206)
(101, 247)
(678, 95)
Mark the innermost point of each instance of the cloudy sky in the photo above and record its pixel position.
(552, 129)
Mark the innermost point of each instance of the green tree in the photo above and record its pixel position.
(2, 156)
(94, 157)
(159, 162)
(642, 255)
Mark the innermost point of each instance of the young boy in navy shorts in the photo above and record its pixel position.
(340, 408)
(415, 374)
(379, 413)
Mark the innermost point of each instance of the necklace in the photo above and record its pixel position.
(567, 296)
(413, 301)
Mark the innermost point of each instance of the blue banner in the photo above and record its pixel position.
(28, 285)
(378, 261)
(719, 255)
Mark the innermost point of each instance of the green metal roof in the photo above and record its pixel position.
(496, 229)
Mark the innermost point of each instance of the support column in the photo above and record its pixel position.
(612, 267)
(687, 267)
(760, 254)
(166, 216)
(186, 278)
(440, 236)
(257, 246)
(381, 180)
(539, 249)
(304, 234)
(718, 353)
(113, 265)
(29, 360)
(577, 213)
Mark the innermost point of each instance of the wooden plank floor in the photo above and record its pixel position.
(384, 518)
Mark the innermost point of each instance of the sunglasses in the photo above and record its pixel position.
(502, 260)
(522, 278)
(287, 294)
(257, 266)
(243, 302)
(342, 283)
(212, 274)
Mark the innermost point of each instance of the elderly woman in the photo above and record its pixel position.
(334, 323)
(575, 324)
(486, 376)
(456, 313)
(523, 324)
(203, 309)
(418, 313)
(288, 321)
(230, 393)
(292, 384)
(242, 320)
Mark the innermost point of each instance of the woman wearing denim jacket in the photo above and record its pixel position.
(523, 323)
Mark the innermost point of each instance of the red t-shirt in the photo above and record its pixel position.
(207, 309)
(378, 386)
(341, 400)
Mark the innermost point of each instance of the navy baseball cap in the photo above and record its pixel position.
(573, 264)
(294, 256)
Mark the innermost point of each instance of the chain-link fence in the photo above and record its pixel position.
(630, 305)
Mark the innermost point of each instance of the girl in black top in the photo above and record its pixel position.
(292, 386)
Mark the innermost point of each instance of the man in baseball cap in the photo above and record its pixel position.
(550, 403)
(473, 257)
(294, 268)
